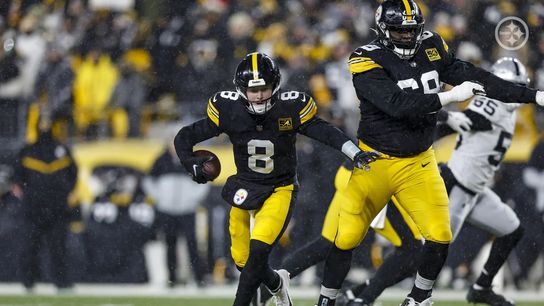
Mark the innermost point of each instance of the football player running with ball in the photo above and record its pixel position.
(397, 78)
(262, 124)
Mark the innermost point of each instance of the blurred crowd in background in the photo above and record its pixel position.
(111, 69)
(95, 70)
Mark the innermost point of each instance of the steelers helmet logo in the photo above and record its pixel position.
(511, 33)
(240, 196)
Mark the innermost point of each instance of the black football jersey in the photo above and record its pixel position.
(398, 97)
(264, 145)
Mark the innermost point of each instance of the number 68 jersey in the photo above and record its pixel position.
(479, 152)
(263, 145)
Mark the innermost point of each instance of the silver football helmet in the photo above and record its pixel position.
(511, 69)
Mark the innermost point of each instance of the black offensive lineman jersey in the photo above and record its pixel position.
(398, 97)
(263, 145)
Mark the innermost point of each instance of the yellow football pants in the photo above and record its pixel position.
(268, 224)
(330, 224)
(414, 181)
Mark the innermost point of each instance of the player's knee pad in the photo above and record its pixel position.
(239, 258)
(349, 240)
(515, 235)
(440, 233)
(510, 224)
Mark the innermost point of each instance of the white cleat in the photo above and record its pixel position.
(411, 302)
(282, 296)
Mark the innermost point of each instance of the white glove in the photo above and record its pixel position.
(540, 98)
(459, 122)
(461, 93)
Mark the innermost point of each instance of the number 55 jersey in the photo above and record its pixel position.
(479, 152)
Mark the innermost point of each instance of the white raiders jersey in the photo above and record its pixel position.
(478, 154)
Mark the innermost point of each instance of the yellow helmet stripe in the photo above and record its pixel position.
(408, 9)
(254, 65)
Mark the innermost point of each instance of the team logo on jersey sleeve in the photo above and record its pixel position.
(285, 124)
(240, 196)
(432, 54)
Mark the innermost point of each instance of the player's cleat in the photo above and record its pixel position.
(487, 296)
(262, 296)
(409, 301)
(282, 296)
(348, 295)
(358, 302)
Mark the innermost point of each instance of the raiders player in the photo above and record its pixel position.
(262, 124)
(397, 77)
(471, 169)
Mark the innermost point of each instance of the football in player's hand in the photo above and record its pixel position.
(211, 168)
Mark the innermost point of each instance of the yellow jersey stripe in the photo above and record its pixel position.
(359, 59)
(309, 113)
(363, 67)
(212, 113)
(305, 108)
(408, 10)
(445, 45)
(254, 65)
(46, 168)
(210, 104)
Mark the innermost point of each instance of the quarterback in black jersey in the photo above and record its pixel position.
(262, 124)
(397, 78)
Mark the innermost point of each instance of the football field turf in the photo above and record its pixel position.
(167, 301)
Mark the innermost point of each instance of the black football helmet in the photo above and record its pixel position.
(256, 70)
(400, 26)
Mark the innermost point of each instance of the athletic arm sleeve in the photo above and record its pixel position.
(376, 87)
(457, 71)
(328, 134)
(192, 134)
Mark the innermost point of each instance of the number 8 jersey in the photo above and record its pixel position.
(263, 145)
(479, 152)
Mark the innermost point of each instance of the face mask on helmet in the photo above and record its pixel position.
(400, 26)
(511, 69)
(257, 80)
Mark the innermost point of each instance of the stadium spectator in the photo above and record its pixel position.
(127, 101)
(94, 82)
(12, 225)
(177, 199)
(121, 222)
(46, 173)
(55, 81)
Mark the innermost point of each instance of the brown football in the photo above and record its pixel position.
(212, 167)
